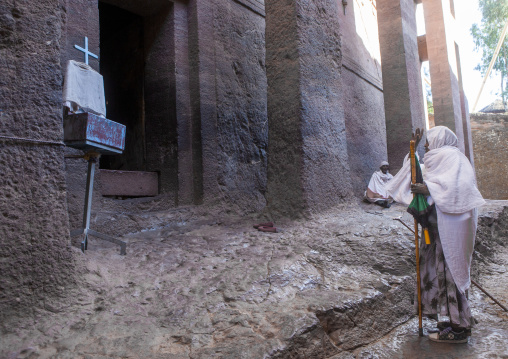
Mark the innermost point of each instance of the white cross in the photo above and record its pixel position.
(85, 50)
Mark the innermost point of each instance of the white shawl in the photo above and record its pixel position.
(378, 181)
(451, 182)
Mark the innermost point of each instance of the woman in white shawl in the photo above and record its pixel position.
(445, 263)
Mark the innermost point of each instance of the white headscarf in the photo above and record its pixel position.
(449, 174)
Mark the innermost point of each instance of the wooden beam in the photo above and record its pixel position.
(422, 48)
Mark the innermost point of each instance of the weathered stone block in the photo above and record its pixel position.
(489, 133)
(422, 48)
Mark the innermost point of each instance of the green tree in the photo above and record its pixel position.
(486, 36)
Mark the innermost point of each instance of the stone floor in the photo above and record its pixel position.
(198, 285)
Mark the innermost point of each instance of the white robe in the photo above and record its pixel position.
(376, 187)
(450, 178)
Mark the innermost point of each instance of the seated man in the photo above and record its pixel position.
(376, 192)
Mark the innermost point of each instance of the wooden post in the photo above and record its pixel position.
(417, 247)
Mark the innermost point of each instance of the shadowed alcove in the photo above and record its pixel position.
(137, 56)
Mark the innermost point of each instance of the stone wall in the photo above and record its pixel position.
(242, 124)
(35, 257)
(362, 99)
(489, 133)
(160, 124)
(204, 99)
(81, 18)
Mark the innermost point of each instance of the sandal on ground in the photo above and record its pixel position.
(267, 229)
(266, 224)
(449, 336)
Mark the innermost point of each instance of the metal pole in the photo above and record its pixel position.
(491, 297)
(491, 65)
(88, 201)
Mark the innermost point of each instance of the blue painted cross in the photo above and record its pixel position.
(85, 50)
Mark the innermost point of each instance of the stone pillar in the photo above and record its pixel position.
(307, 152)
(203, 100)
(402, 85)
(159, 100)
(183, 103)
(444, 73)
(36, 263)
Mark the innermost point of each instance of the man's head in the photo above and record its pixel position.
(384, 167)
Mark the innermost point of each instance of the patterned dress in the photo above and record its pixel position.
(438, 290)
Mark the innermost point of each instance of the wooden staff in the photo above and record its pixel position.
(417, 247)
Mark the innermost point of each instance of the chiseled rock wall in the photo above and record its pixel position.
(242, 126)
(308, 166)
(36, 262)
(362, 100)
(490, 153)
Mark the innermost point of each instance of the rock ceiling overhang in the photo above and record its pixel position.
(140, 7)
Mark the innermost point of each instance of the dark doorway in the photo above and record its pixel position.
(122, 66)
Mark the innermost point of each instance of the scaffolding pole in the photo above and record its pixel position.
(491, 65)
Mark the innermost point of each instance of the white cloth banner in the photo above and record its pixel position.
(83, 89)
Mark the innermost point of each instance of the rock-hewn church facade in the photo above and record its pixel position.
(285, 106)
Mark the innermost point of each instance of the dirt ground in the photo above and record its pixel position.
(198, 285)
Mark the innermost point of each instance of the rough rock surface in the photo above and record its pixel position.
(217, 287)
(336, 286)
(490, 151)
(242, 124)
(444, 68)
(362, 86)
(490, 335)
(36, 264)
(308, 166)
(402, 84)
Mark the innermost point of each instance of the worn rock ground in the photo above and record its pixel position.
(490, 336)
(198, 285)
